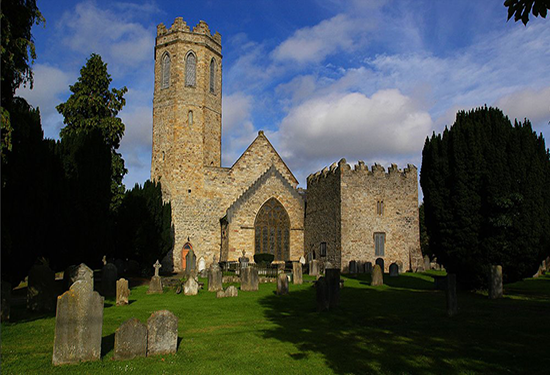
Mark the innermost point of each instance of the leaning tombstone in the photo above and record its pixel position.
(352, 267)
(215, 277)
(162, 333)
(231, 291)
(297, 273)
(41, 290)
(394, 270)
(191, 287)
(130, 340)
(78, 325)
(155, 286)
(495, 282)
(332, 275)
(368, 267)
(282, 284)
(122, 292)
(109, 276)
(249, 279)
(450, 292)
(6, 300)
(322, 294)
(314, 267)
(377, 278)
(427, 264)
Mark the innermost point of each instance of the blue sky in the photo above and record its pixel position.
(364, 80)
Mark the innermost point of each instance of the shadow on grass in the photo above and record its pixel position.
(389, 330)
(107, 344)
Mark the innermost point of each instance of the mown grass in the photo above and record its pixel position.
(398, 328)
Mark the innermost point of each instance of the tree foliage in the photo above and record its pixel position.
(92, 105)
(520, 9)
(486, 196)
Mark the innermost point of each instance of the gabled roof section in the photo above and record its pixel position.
(255, 148)
(271, 172)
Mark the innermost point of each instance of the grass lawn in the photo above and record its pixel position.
(398, 328)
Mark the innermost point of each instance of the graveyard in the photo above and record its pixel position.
(399, 326)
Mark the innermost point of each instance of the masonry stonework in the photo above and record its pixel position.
(215, 209)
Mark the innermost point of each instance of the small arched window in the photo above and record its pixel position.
(190, 118)
(213, 76)
(165, 71)
(190, 70)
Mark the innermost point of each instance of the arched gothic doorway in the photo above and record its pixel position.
(272, 230)
(184, 253)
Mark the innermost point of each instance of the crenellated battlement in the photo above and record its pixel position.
(376, 170)
(180, 25)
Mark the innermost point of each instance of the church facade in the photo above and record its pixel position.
(253, 206)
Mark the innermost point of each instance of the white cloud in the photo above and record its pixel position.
(238, 129)
(528, 103)
(135, 146)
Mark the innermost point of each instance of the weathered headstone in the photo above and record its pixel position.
(352, 267)
(215, 277)
(368, 267)
(41, 290)
(162, 333)
(202, 264)
(450, 293)
(249, 279)
(332, 275)
(394, 270)
(427, 263)
(130, 340)
(322, 294)
(122, 292)
(190, 263)
(191, 287)
(495, 282)
(155, 286)
(297, 273)
(109, 276)
(6, 300)
(380, 262)
(78, 325)
(377, 277)
(282, 284)
(231, 291)
(314, 268)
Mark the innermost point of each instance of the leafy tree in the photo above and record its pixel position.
(520, 9)
(424, 239)
(144, 225)
(486, 196)
(93, 106)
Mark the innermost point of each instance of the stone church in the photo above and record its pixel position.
(255, 205)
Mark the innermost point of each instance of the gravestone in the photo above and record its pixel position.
(162, 333)
(368, 267)
(249, 279)
(450, 293)
(78, 325)
(314, 268)
(332, 276)
(41, 290)
(229, 292)
(380, 262)
(215, 277)
(321, 294)
(109, 276)
(155, 286)
(190, 263)
(297, 273)
(122, 292)
(377, 277)
(243, 261)
(130, 340)
(495, 282)
(282, 284)
(202, 264)
(352, 267)
(427, 264)
(191, 287)
(6, 300)
(394, 270)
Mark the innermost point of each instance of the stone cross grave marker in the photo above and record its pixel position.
(78, 325)
(155, 286)
(157, 267)
(130, 340)
(122, 292)
(162, 333)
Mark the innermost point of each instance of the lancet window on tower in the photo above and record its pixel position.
(213, 76)
(165, 71)
(191, 70)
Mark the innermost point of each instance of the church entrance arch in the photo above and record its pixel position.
(272, 230)
(184, 252)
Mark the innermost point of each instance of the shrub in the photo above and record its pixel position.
(263, 258)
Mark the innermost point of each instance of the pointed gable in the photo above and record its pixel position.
(257, 158)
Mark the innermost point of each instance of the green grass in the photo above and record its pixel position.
(398, 328)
